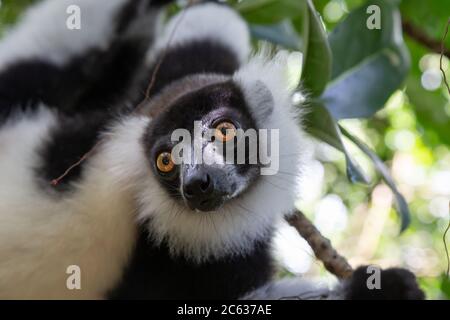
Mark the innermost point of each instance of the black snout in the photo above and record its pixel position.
(199, 190)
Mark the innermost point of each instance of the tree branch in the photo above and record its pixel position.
(421, 37)
(323, 250)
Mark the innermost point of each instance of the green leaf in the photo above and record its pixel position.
(445, 285)
(321, 124)
(368, 65)
(317, 62)
(402, 206)
(283, 34)
(428, 106)
(430, 109)
(269, 11)
(301, 25)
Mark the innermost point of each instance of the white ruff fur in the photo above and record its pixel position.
(43, 34)
(41, 235)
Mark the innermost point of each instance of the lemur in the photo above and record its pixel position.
(138, 225)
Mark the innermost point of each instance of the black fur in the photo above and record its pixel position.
(105, 85)
(158, 3)
(67, 143)
(131, 9)
(87, 94)
(396, 284)
(96, 85)
(201, 56)
(154, 274)
(127, 14)
(94, 81)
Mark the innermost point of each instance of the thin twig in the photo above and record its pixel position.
(448, 89)
(442, 57)
(421, 37)
(162, 56)
(321, 246)
(56, 181)
(445, 243)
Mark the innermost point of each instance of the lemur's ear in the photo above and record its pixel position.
(261, 99)
(264, 82)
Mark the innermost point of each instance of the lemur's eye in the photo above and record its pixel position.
(225, 131)
(164, 162)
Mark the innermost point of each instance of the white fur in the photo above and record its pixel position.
(43, 33)
(207, 21)
(41, 235)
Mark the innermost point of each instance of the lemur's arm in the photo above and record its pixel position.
(392, 284)
(43, 60)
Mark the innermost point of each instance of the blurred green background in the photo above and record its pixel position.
(409, 131)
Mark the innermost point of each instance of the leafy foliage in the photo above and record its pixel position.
(369, 65)
(349, 74)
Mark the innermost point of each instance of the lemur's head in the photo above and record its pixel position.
(216, 159)
(189, 141)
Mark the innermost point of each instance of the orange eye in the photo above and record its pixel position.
(164, 162)
(225, 131)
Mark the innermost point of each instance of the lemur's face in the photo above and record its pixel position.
(213, 204)
(214, 172)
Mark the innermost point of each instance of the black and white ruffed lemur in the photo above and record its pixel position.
(138, 225)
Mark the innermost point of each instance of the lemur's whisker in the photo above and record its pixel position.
(275, 185)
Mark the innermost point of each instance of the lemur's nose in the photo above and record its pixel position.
(198, 190)
(197, 184)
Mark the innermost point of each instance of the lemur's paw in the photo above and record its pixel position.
(369, 283)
